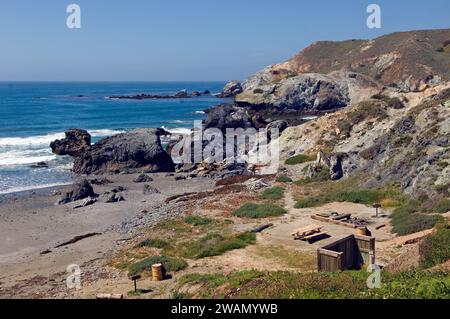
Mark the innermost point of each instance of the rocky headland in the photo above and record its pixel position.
(361, 122)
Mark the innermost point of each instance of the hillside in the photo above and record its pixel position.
(329, 75)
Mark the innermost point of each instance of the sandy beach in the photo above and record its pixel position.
(32, 224)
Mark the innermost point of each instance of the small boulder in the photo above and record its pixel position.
(196, 93)
(110, 197)
(149, 190)
(100, 181)
(86, 202)
(118, 189)
(80, 190)
(143, 179)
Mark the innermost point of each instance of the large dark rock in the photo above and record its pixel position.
(76, 143)
(308, 92)
(80, 190)
(137, 149)
(228, 116)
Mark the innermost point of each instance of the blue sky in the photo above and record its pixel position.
(176, 40)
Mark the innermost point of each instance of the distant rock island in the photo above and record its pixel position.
(183, 94)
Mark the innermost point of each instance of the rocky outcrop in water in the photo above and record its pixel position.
(183, 94)
(76, 143)
(137, 150)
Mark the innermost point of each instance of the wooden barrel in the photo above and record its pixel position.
(362, 231)
(157, 272)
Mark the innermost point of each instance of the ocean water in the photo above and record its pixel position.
(34, 114)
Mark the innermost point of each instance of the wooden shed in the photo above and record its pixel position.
(347, 253)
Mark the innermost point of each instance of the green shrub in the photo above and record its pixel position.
(170, 263)
(274, 193)
(442, 206)
(155, 243)
(414, 223)
(198, 220)
(322, 175)
(364, 196)
(311, 202)
(284, 179)
(215, 244)
(299, 159)
(436, 248)
(251, 210)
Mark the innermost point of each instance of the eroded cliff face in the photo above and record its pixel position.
(384, 141)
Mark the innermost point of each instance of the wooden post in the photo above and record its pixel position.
(376, 206)
(135, 278)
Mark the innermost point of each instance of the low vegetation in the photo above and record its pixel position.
(436, 248)
(274, 193)
(407, 218)
(345, 285)
(284, 179)
(154, 243)
(442, 206)
(198, 220)
(299, 159)
(363, 111)
(363, 196)
(322, 175)
(172, 264)
(214, 244)
(251, 210)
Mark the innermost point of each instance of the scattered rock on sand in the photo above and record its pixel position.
(256, 184)
(118, 189)
(112, 197)
(86, 202)
(148, 190)
(143, 179)
(80, 190)
(100, 181)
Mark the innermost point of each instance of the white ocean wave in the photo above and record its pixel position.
(104, 132)
(199, 112)
(48, 138)
(178, 130)
(31, 187)
(31, 140)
